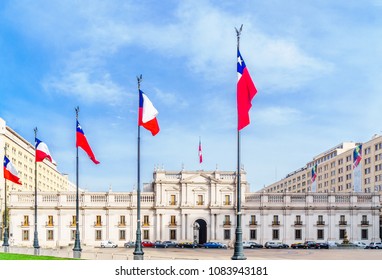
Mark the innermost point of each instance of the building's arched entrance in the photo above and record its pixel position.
(200, 231)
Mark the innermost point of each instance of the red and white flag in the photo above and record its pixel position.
(147, 114)
(42, 151)
(246, 90)
(10, 171)
(200, 152)
(82, 142)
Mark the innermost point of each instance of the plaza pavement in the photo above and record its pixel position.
(94, 253)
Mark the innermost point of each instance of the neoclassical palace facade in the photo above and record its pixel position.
(194, 206)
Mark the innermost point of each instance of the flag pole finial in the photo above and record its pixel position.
(139, 79)
(77, 109)
(238, 33)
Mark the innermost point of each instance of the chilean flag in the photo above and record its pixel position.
(10, 172)
(147, 114)
(246, 90)
(82, 142)
(42, 151)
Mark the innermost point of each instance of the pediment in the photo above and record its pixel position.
(199, 178)
(172, 188)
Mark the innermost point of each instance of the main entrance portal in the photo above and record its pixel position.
(200, 231)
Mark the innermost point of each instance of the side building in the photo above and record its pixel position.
(335, 171)
(195, 206)
(22, 154)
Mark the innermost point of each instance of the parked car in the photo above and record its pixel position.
(310, 245)
(164, 244)
(332, 244)
(214, 245)
(322, 245)
(170, 244)
(298, 245)
(374, 245)
(129, 244)
(360, 244)
(187, 245)
(147, 244)
(251, 245)
(275, 245)
(108, 244)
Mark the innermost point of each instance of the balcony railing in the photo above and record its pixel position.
(343, 223)
(72, 224)
(320, 223)
(172, 202)
(121, 224)
(364, 223)
(252, 223)
(226, 223)
(200, 203)
(47, 224)
(98, 224)
(146, 224)
(275, 223)
(227, 202)
(172, 224)
(25, 224)
(298, 223)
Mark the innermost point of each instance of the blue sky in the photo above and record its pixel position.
(316, 65)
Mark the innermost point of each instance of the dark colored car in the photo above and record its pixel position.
(298, 245)
(170, 244)
(310, 245)
(322, 245)
(187, 245)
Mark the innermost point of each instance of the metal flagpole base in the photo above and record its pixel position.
(37, 251)
(138, 257)
(76, 254)
(6, 249)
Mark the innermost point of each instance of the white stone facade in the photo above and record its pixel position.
(201, 206)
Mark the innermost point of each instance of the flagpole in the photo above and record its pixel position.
(36, 246)
(77, 243)
(138, 252)
(6, 232)
(238, 248)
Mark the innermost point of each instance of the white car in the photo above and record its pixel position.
(108, 244)
(360, 244)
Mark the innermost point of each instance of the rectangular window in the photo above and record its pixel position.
(172, 234)
(50, 221)
(320, 234)
(275, 220)
(364, 234)
(73, 234)
(26, 221)
(173, 220)
(98, 234)
(200, 200)
(98, 222)
(146, 221)
(275, 234)
(253, 220)
(172, 199)
(253, 234)
(25, 235)
(122, 221)
(297, 234)
(122, 234)
(342, 233)
(227, 200)
(146, 234)
(227, 234)
(49, 235)
(227, 220)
